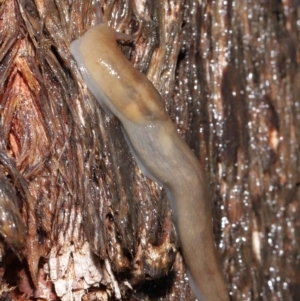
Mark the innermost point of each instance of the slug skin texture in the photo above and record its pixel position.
(157, 148)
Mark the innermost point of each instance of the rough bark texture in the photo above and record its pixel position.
(96, 227)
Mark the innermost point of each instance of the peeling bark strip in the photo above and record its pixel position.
(228, 72)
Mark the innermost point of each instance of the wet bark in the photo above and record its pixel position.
(79, 220)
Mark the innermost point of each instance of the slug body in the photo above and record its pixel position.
(159, 151)
(12, 228)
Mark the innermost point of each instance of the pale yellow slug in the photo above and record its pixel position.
(159, 151)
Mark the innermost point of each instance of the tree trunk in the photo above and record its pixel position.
(80, 221)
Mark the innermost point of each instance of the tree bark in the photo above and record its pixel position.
(80, 221)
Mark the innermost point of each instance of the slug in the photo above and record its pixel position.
(161, 154)
(12, 228)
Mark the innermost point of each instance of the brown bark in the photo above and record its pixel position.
(96, 227)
